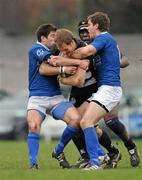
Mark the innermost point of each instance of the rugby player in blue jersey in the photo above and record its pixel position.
(67, 43)
(81, 94)
(108, 79)
(111, 119)
(45, 96)
(107, 60)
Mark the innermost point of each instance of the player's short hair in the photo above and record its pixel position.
(63, 36)
(44, 30)
(101, 19)
(82, 25)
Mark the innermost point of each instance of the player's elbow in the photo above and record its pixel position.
(124, 62)
(124, 65)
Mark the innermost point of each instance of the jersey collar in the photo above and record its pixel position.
(102, 33)
(43, 45)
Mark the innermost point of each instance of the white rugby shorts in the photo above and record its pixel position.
(44, 104)
(107, 96)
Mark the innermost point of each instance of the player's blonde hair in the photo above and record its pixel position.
(63, 36)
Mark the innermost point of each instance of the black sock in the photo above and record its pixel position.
(79, 142)
(105, 141)
(130, 144)
(119, 129)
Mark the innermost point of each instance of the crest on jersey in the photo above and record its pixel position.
(40, 52)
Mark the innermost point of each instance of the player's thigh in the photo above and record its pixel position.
(67, 112)
(83, 108)
(92, 115)
(114, 110)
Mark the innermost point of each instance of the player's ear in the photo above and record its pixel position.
(73, 42)
(43, 38)
(96, 26)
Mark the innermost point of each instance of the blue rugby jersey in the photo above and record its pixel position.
(107, 60)
(40, 85)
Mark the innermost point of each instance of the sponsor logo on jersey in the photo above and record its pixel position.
(40, 52)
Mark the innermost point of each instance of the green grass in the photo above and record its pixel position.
(14, 164)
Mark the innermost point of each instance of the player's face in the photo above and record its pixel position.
(91, 29)
(84, 35)
(66, 49)
(49, 40)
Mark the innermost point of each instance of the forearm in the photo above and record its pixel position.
(66, 81)
(64, 61)
(48, 70)
(84, 52)
(69, 62)
(77, 79)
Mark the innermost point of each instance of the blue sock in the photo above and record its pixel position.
(91, 140)
(100, 151)
(67, 135)
(33, 145)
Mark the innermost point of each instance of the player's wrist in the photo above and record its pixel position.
(62, 71)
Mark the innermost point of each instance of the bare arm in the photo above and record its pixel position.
(84, 52)
(65, 61)
(124, 61)
(77, 79)
(48, 70)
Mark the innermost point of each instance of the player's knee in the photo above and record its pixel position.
(33, 126)
(34, 121)
(84, 124)
(75, 121)
(74, 124)
(77, 117)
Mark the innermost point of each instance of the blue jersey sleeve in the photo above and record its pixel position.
(99, 42)
(41, 53)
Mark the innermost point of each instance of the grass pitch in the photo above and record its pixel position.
(14, 164)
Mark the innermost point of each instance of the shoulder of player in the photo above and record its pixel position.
(38, 49)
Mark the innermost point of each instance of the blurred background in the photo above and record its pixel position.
(18, 22)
